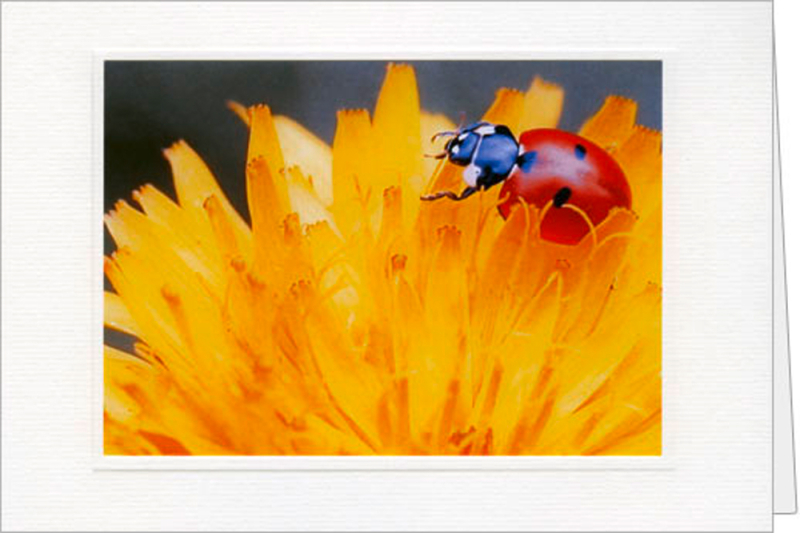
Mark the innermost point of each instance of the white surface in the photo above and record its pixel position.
(787, 18)
(717, 305)
(784, 480)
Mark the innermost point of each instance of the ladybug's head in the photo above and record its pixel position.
(488, 151)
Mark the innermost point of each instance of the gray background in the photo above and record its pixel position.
(151, 104)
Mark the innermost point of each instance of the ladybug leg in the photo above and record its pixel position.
(466, 193)
(440, 194)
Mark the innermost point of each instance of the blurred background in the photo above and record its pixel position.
(151, 104)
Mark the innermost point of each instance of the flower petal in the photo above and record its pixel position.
(264, 141)
(542, 107)
(640, 158)
(268, 199)
(352, 167)
(397, 140)
(613, 124)
(507, 109)
(116, 315)
(398, 144)
(302, 148)
(304, 200)
(431, 124)
(193, 184)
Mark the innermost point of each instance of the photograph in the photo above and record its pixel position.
(382, 258)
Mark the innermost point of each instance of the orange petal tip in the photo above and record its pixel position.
(351, 111)
(240, 110)
(538, 81)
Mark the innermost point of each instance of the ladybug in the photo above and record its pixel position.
(545, 165)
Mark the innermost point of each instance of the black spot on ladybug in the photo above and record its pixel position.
(561, 197)
(526, 160)
(580, 151)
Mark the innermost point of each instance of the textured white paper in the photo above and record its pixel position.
(717, 308)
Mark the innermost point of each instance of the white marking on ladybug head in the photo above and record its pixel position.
(462, 136)
(471, 174)
(488, 129)
(455, 149)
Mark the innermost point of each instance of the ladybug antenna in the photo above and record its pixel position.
(440, 155)
(444, 134)
(462, 119)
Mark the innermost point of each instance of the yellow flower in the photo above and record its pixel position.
(352, 318)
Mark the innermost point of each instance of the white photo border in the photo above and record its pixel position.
(364, 462)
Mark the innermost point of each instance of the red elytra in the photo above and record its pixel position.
(567, 169)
